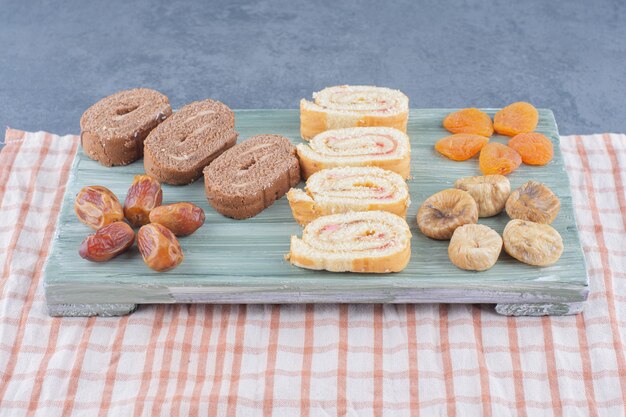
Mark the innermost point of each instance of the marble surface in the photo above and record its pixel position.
(569, 56)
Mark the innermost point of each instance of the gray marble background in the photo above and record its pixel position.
(57, 58)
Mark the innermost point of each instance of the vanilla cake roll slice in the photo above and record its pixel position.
(340, 190)
(351, 106)
(383, 147)
(365, 241)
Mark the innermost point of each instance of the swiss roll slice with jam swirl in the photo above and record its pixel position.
(353, 105)
(365, 241)
(340, 190)
(382, 147)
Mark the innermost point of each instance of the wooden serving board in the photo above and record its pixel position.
(242, 261)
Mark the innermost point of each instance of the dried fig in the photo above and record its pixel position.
(474, 247)
(97, 206)
(108, 242)
(489, 191)
(532, 243)
(181, 218)
(534, 202)
(143, 195)
(444, 211)
(159, 247)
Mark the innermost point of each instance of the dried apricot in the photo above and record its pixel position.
(107, 242)
(181, 218)
(496, 158)
(143, 195)
(534, 148)
(520, 117)
(97, 206)
(461, 146)
(159, 247)
(471, 121)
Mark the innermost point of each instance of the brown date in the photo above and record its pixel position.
(97, 206)
(143, 195)
(181, 218)
(107, 242)
(159, 247)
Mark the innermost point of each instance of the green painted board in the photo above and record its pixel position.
(242, 261)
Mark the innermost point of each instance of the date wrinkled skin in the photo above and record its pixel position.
(181, 218)
(108, 242)
(143, 195)
(97, 206)
(159, 247)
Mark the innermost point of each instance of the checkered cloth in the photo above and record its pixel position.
(309, 360)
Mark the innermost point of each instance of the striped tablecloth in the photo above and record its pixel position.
(309, 360)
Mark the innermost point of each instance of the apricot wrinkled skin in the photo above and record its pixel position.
(471, 121)
(97, 206)
(460, 147)
(520, 117)
(496, 158)
(181, 218)
(534, 148)
(143, 195)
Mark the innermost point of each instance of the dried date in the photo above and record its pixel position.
(143, 195)
(159, 247)
(108, 242)
(181, 218)
(97, 206)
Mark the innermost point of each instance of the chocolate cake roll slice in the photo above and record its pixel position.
(177, 151)
(248, 178)
(113, 129)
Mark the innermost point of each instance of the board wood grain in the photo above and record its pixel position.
(242, 261)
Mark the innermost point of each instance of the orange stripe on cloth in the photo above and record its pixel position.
(205, 338)
(446, 360)
(604, 259)
(270, 368)
(237, 357)
(586, 365)
(342, 361)
(53, 337)
(77, 368)
(553, 380)
(6, 270)
(617, 177)
(21, 328)
(518, 374)
(183, 373)
(307, 360)
(220, 354)
(110, 380)
(411, 330)
(149, 361)
(166, 361)
(378, 400)
(8, 155)
(485, 391)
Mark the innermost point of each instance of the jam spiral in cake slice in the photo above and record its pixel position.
(383, 147)
(249, 177)
(180, 148)
(365, 241)
(113, 130)
(353, 105)
(339, 190)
